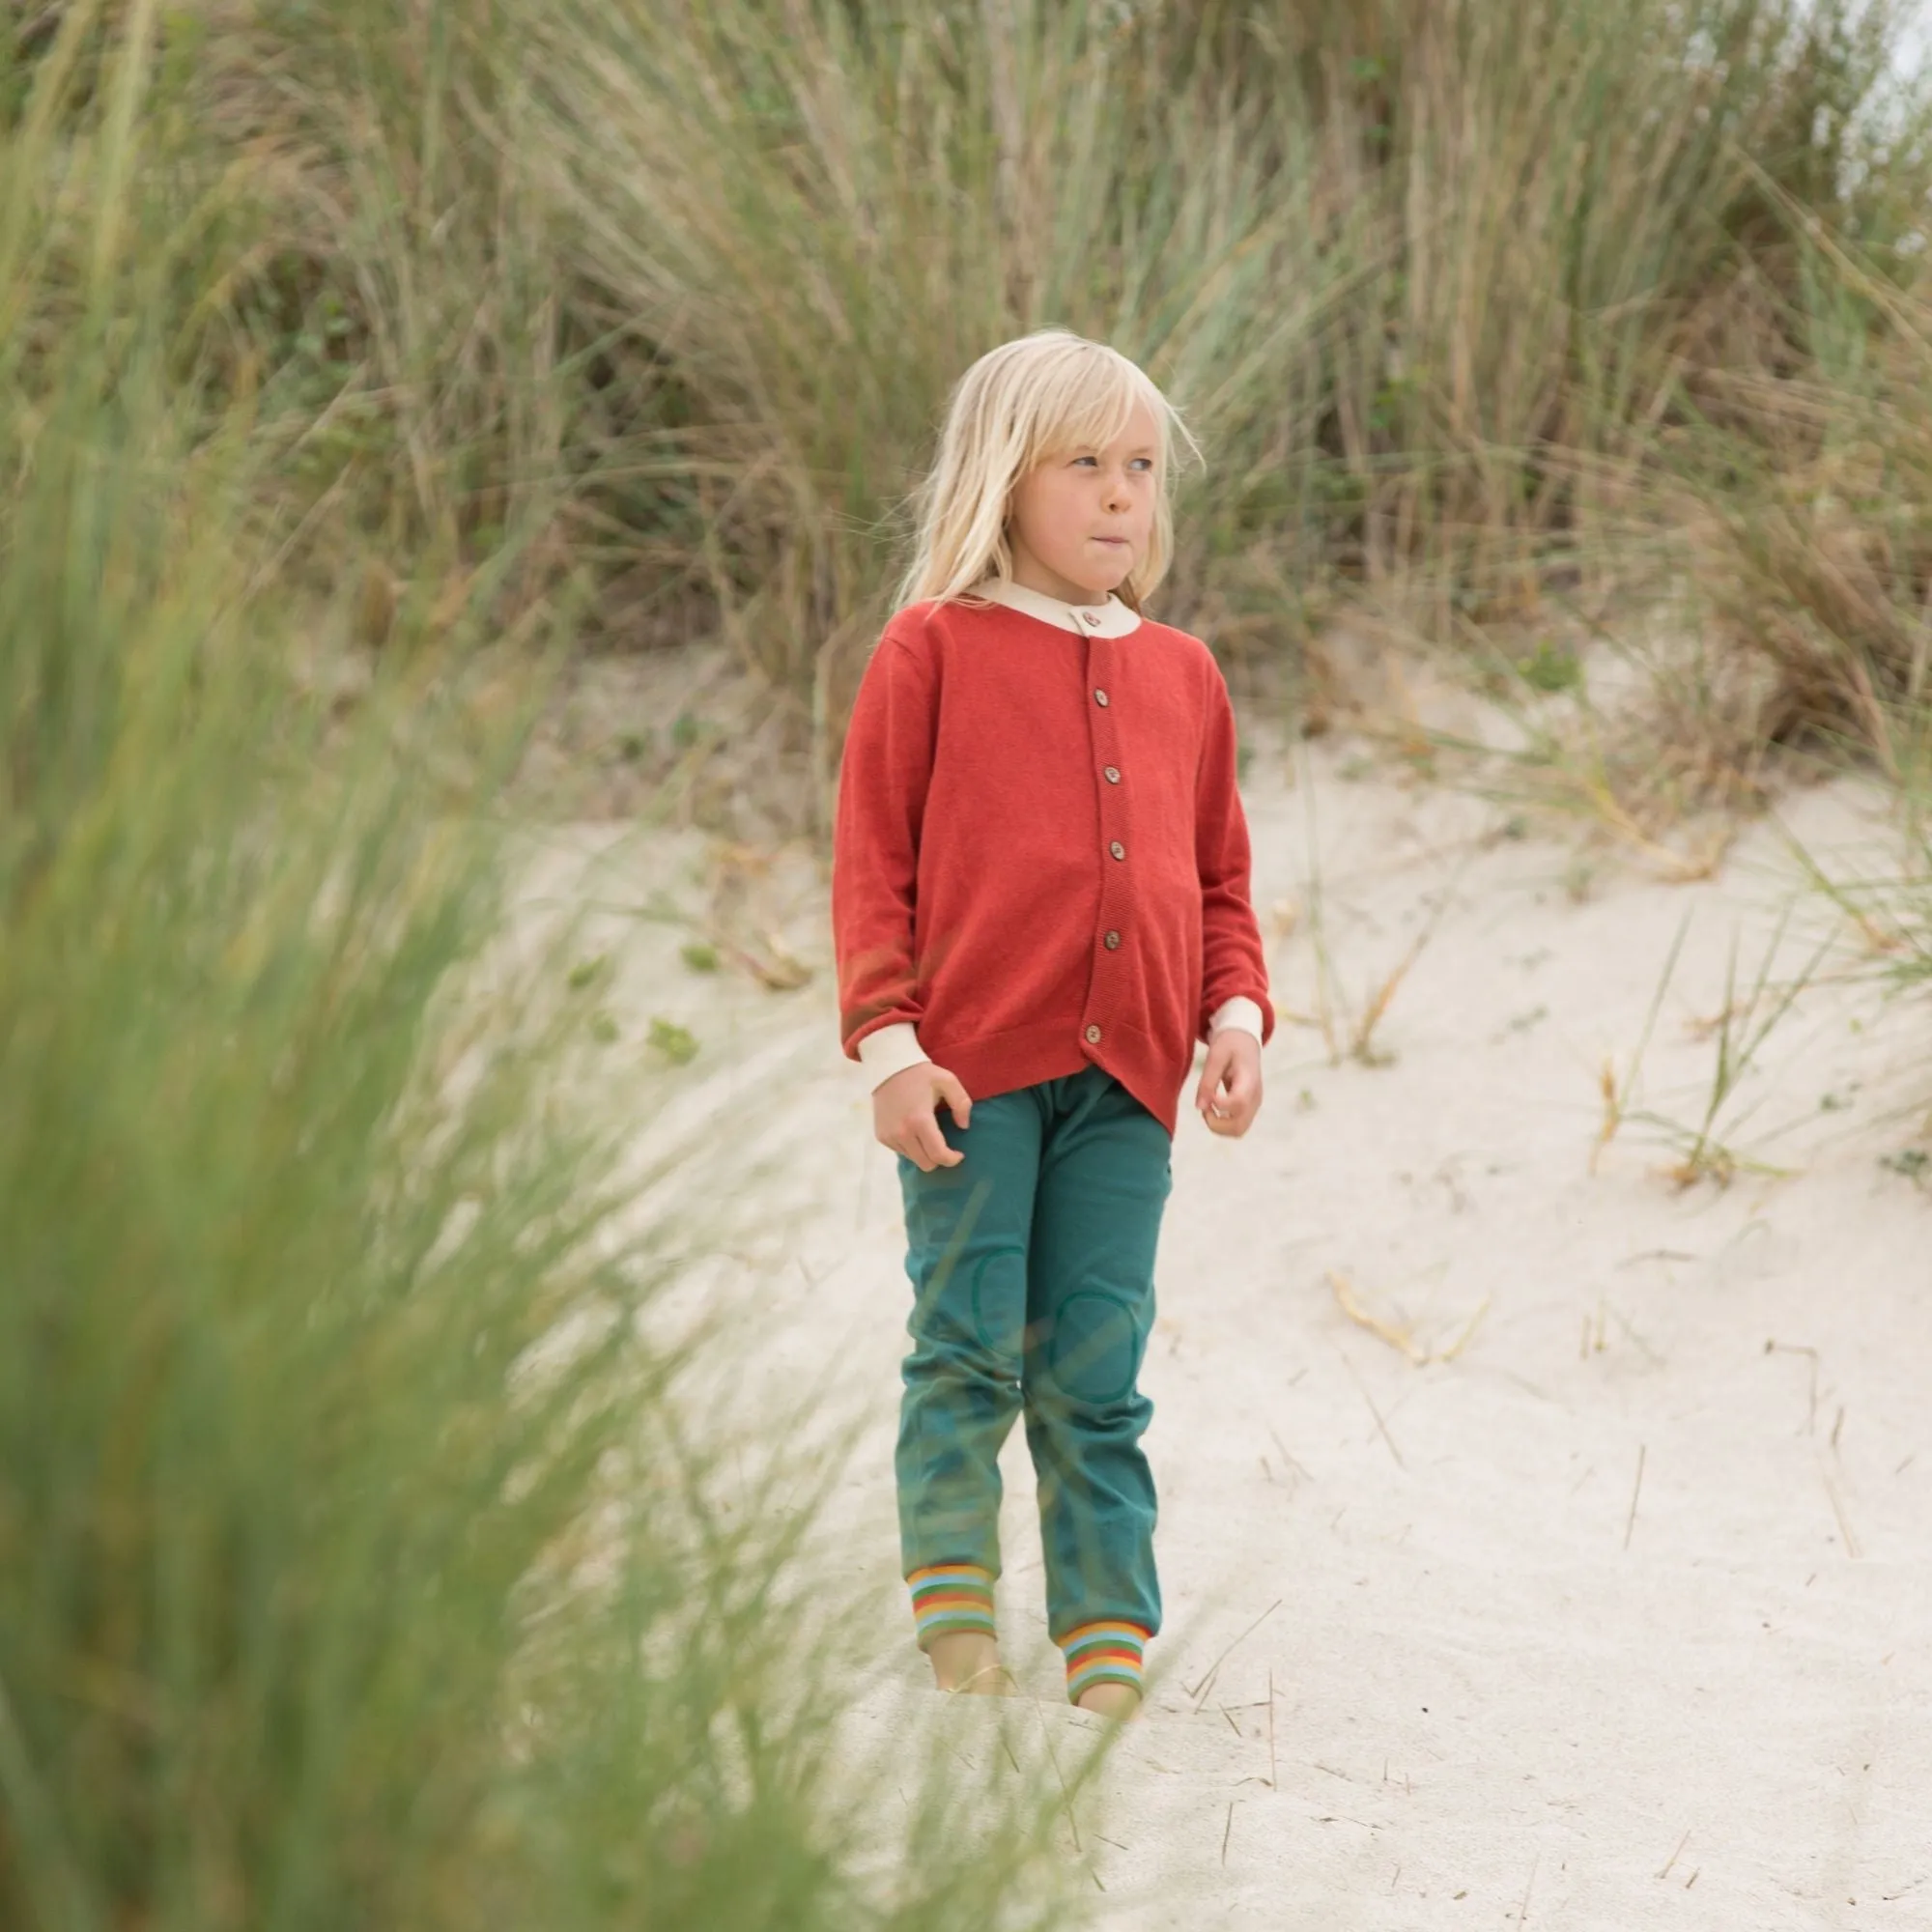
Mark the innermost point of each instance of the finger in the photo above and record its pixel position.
(923, 1131)
(1211, 1077)
(925, 1154)
(958, 1102)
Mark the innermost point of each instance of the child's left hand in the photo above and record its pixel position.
(1229, 1094)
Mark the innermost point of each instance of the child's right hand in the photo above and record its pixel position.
(904, 1115)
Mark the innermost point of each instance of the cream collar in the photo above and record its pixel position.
(1111, 619)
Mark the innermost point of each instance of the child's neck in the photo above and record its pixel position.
(1032, 575)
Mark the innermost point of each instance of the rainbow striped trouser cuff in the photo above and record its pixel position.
(950, 1596)
(1106, 1653)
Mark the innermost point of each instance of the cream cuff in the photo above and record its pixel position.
(1239, 1014)
(891, 1050)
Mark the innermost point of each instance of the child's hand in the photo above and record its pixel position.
(904, 1115)
(1230, 1095)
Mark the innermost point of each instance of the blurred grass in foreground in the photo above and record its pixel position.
(354, 1567)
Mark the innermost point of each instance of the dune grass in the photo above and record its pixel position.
(357, 1564)
(1470, 300)
(1429, 277)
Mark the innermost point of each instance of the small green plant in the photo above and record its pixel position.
(678, 1044)
(1580, 873)
(1549, 668)
(1740, 1029)
(701, 956)
(1913, 1163)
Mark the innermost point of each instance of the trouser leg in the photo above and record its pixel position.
(968, 1229)
(1103, 1181)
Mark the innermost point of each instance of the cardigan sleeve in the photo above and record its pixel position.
(881, 787)
(1234, 964)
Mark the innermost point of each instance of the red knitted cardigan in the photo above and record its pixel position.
(1040, 858)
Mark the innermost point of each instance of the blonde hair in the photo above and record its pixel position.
(1016, 407)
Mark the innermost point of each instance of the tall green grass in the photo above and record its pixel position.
(1806, 495)
(358, 1566)
(1422, 271)
(1438, 280)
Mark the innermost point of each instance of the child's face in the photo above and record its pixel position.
(1082, 519)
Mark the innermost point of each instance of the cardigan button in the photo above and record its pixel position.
(1113, 942)
(1100, 698)
(1119, 850)
(1093, 1036)
(1113, 775)
(1091, 619)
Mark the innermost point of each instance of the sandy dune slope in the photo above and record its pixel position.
(1577, 1572)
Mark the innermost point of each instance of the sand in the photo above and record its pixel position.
(1578, 1577)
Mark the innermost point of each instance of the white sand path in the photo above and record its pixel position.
(1514, 1684)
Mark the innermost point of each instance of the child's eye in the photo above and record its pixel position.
(1145, 463)
(1087, 458)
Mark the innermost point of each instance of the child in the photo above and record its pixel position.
(1040, 903)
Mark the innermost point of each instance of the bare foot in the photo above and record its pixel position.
(968, 1662)
(1119, 1703)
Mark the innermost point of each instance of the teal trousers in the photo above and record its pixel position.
(1032, 1265)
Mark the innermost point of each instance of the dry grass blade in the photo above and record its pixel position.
(1468, 1333)
(1402, 1338)
(1382, 1424)
(1361, 1045)
(1636, 1491)
(1200, 1690)
(1617, 1091)
(1851, 1542)
(1812, 1355)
